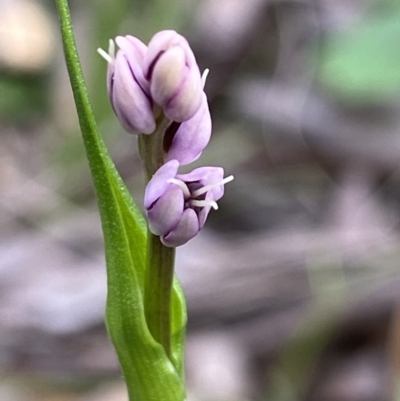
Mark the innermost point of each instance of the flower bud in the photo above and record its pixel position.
(174, 76)
(177, 205)
(127, 88)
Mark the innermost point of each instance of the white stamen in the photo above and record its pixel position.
(110, 56)
(111, 48)
(204, 77)
(204, 203)
(105, 55)
(206, 188)
(181, 185)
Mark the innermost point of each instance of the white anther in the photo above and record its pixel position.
(181, 185)
(204, 77)
(206, 188)
(204, 203)
(110, 56)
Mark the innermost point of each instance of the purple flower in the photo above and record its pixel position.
(128, 89)
(163, 75)
(174, 76)
(177, 205)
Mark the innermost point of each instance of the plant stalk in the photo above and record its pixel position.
(160, 259)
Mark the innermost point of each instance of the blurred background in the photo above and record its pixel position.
(293, 287)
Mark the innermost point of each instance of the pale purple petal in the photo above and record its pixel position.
(166, 212)
(202, 215)
(204, 175)
(161, 42)
(135, 51)
(168, 74)
(158, 183)
(217, 192)
(110, 80)
(187, 228)
(213, 195)
(187, 98)
(130, 103)
(192, 136)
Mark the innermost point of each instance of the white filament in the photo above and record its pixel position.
(111, 48)
(204, 77)
(206, 188)
(204, 203)
(105, 55)
(181, 185)
(110, 56)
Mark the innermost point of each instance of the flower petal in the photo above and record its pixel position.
(204, 175)
(168, 75)
(187, 228)
(202, 216)
(158, 183)
(135, 51)
(166, 212)
(130, 103)
(188, 97)
(160, 43)
(192, 136)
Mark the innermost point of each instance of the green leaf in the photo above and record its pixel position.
(149, 374)
(363, 65)
(178, 327)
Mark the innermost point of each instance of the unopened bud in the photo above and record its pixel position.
(174, 76)
(127, 87)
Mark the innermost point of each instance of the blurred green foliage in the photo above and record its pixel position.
(23, 97)
(362, 63)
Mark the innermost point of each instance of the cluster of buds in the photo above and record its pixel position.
(163, 78)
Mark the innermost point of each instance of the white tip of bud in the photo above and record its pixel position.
(204, 77)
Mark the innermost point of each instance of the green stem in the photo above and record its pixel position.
(151, 148)
(160, 259)
(158, 288)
